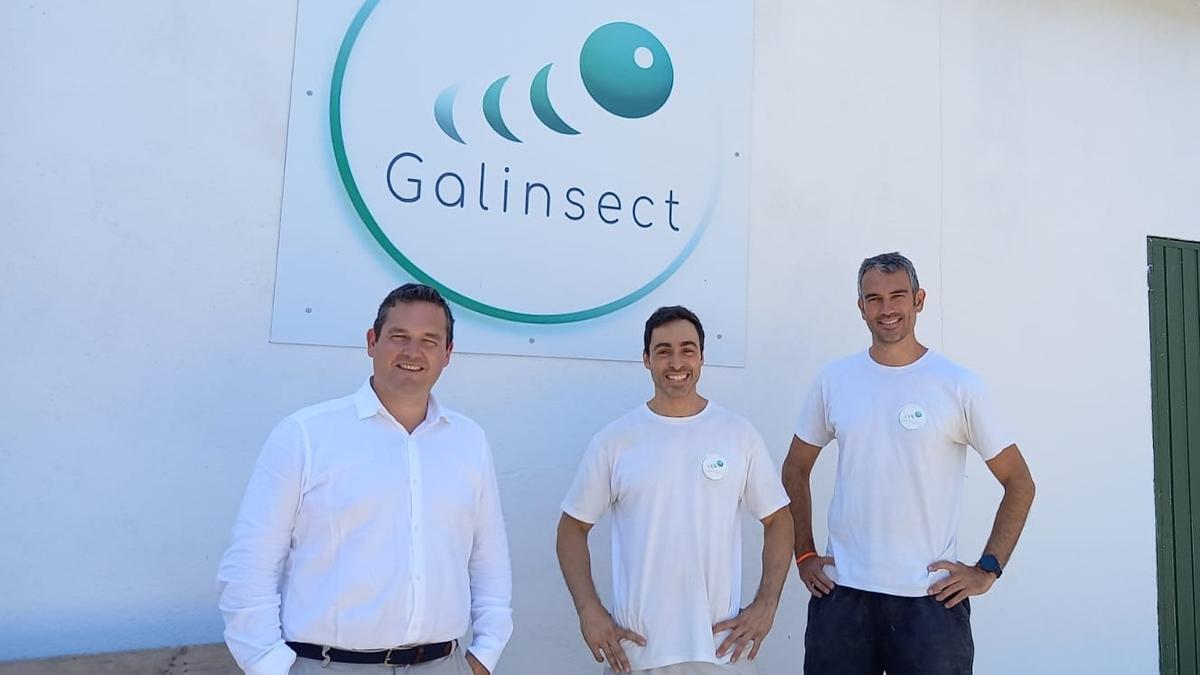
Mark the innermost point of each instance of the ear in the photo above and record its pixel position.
(446, 358)
(919, 299)
(646, 360)
(371, 339)
(862, 308)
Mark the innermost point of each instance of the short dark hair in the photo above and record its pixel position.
(415, 293)
(665, 315)
(888, 263)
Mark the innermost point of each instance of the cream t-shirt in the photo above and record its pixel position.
(902, 436)
(674, 486)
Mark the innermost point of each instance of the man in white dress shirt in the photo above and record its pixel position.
(370, 537)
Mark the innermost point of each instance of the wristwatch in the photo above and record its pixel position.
(989, 564)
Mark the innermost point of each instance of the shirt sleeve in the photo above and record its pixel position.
(250, 570)
(985, 431)
(590, 494)
(490, 571)
(764, 493)
(813, 425)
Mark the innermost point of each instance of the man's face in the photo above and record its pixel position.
(411, 349)
(889, 306)
(674, 359)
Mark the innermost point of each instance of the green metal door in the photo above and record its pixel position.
(1175, 379)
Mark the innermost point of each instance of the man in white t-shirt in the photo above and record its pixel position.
(674, 473)
(889, 593)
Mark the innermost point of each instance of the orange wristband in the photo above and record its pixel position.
(805, 556)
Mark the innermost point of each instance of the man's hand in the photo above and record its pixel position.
(963, 582)
(477, 668)
(750, 625)
(603, 636)
(812, 573)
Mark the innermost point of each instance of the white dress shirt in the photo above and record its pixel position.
(358, 535)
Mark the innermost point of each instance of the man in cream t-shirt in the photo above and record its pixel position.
(890, 593)
(674, 473)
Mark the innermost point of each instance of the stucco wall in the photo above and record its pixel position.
(1020, 152)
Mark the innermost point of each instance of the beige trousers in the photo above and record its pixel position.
(742, 667)
(455, 664)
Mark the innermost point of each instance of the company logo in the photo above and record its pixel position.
(625, 68)
(548, 195)
(912, 417)
(714, 467)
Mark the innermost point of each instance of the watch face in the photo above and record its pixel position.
(988, 563)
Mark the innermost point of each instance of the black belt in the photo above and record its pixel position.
(397, 656)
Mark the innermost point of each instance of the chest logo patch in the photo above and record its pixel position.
(715, 467)
(912, 417)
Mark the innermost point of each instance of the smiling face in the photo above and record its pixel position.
(410, 350)
(889, 306)
(674, 359)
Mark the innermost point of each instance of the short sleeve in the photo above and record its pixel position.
(590, 494)
(985, 430)
(813, 425)
(764, 493)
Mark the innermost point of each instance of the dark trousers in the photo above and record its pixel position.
(853, 632)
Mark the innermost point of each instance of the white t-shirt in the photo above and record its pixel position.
(902, 436)
(674, 485)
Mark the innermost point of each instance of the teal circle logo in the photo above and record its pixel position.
(626, 69)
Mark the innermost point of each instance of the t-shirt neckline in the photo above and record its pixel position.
(925, 358)
(677, 420)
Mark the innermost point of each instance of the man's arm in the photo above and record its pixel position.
(1010, 469)
(797, 472)
(490, 571)
(754, 622)
(250, 569)
(602, 635)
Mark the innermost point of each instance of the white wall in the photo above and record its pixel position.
(1019, 151)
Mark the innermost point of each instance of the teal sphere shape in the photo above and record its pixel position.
(626, 69)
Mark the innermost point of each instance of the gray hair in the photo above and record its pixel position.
(888, 263)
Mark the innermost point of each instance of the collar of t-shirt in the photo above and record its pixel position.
(927, 357)
(708, 405)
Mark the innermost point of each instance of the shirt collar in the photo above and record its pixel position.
(367, 403)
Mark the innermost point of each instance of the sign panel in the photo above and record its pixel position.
(557, 170)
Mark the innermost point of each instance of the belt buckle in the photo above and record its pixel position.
(387, 657)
